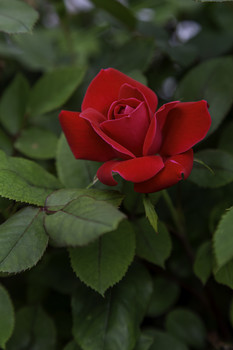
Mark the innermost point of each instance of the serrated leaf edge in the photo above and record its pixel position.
(102, 293)
(29, 30)
(219, 266)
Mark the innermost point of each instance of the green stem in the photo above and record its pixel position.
(92, 183)
(174, 213)
(179, 226)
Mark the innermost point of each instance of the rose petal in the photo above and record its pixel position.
(186, 124)
(153, 138)
(162, 112)
(129, 131)
(104, 90)
(135, 170)
(91, 115)
(82, 139)
(104, 173)
(129, 91)
(131, 103)
(176, 168)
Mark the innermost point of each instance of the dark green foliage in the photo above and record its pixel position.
(105, 261)
(112, 322)
(34, 329)
(6, 318)
(84, 266)
(16, 17)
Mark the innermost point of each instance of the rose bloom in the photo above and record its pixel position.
(119, 125)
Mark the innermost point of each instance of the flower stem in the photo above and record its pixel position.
(174, 213)
(179, 226)
(92, 183)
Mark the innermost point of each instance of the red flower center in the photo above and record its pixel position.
(122, 108)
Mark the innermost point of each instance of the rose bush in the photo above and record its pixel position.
(119, 125)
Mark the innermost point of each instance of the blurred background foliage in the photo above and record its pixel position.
(183, 50)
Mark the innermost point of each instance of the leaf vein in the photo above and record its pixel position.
(16, 20)
(17, 241)
(86, 219)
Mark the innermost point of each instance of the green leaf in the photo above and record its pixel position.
(81, 221)
(204, 165)
(212, 81)
(220, 162)
(203, 263)
(6, 317)
(117, 10)
(105, 261)
(5, 143)
(226, 140)
(144, 342)
(73, 172)
(136, 54)
(223, 240)
(218, 210)
(186, 326)
(25, 181)
(72, 346)
(59, 199)
(154, 247)
(13, 103)
(7, 51)
(112, 323)
(210, 43)
(37, 143)
(150, 213)
(13, 186)
(35, 52)
(165, 295)
(22, 240)
(34, 329)
(224, 275)
(184, 55)
(164, 341)
(16, 17)
(54, 89)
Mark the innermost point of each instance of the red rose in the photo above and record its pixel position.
(118, 125)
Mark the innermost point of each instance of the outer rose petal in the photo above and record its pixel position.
(104, 90)
(129, 131)
(162, 112)
(176, 168)
(186, 124)
(135, 170)
(82, 139)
